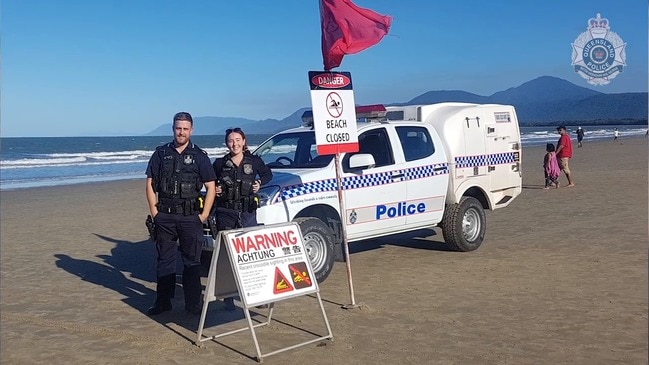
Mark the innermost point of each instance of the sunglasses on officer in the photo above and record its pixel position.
(235, 130)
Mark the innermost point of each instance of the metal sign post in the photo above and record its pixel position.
(334, 122)
(344, 234)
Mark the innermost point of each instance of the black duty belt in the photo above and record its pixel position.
(171, 210)
(188, 208)
(234, 205)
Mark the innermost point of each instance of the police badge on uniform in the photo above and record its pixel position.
(188, 160)
(598, 54)
(247, 168)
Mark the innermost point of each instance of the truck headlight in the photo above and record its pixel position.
(267, 195)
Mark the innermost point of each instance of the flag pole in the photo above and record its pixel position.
(343, 217)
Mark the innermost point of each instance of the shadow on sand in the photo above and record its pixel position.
(131, 263)
(123, 271)
(419, 239)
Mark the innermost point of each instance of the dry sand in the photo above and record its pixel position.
(560, 278)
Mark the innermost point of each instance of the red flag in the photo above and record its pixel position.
(347, 29)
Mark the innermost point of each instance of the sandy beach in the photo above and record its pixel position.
(560, 279)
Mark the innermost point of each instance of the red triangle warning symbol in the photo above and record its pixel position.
(281, 284)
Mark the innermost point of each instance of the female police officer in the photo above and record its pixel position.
(239, 175)
(177, 172)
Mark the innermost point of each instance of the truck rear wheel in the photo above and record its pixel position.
(319, 245)
(464, 225)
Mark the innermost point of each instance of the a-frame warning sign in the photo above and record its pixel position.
(281, 284)
(289, 272)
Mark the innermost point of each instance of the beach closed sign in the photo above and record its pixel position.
(334, 112)
(270, 264)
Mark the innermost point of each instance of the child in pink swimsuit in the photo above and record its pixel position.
(551, 167)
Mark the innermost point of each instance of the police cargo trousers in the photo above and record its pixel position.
(187, 230)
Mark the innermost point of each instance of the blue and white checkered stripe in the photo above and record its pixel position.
(483, 160)
(363, 181)
(312, 187)
(425, 171)
(502, 158)
(470, 161)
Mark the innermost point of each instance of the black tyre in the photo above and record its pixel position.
(319, 245)
(464, 225)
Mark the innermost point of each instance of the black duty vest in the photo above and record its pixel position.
(237, 187)
(179, 180)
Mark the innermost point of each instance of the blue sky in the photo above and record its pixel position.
(122, 67)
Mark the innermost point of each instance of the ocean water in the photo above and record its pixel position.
(42, 161)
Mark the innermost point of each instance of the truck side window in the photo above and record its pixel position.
(375, 143)
(416, 142)
(292, 150)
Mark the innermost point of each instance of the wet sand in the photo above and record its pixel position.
(560, 278)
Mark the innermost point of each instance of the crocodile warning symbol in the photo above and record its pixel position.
(281, 284)
(300, 275)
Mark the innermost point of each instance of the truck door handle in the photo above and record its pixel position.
(397, 176)
(439, 168)
(491, 168)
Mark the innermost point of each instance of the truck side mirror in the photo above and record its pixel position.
(361, 161)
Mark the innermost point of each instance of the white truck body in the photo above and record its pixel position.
(426, 165)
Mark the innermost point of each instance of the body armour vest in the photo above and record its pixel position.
(179, 180)
(237, 187)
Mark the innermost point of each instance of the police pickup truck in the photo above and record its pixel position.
(418, 166)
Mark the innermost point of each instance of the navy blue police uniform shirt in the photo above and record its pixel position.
(258, 166)
(205, 169)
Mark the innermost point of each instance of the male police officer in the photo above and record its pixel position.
(177, 172)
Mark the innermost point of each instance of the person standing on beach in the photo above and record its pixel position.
(564, 154)
(580, 136)
(176, 174)
(616, 134)
(551, 167)
(240, 174)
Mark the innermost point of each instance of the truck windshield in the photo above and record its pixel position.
(291, 151)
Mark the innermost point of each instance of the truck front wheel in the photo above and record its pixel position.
(319, 245)
(464, 225)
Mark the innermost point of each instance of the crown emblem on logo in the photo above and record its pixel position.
(598, 22)
(598, 26)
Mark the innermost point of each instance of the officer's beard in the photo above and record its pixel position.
(181, 140)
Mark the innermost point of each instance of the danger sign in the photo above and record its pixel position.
(270, 263)
(334, 112)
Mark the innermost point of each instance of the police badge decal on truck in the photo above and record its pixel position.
(418, 166)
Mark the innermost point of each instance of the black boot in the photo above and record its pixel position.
(192, 288)
(166, 288)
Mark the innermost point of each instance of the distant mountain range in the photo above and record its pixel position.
(542, 101)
